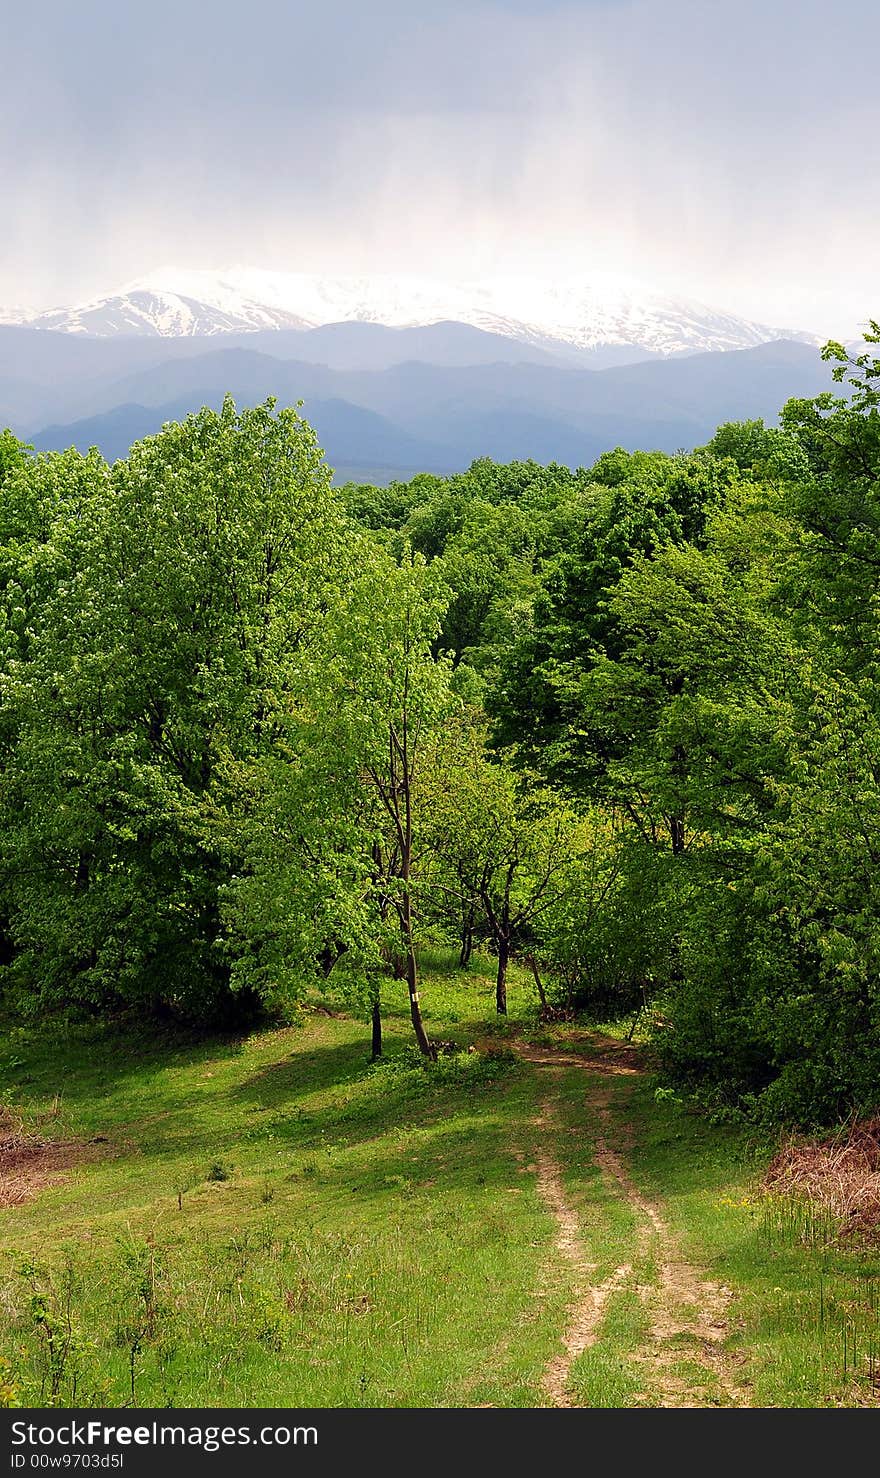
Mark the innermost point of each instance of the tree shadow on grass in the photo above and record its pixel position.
(304, 1071)
(356, 1103)
(445, 1160)
(312, 1095)
(80, 1058)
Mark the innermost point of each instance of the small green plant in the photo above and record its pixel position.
(8, 1388)
(60, 1347)
(184, 1181)
(668, 1095)
(398, 1183)
(219, 1171)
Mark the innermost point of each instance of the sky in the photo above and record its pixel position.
(722, 151)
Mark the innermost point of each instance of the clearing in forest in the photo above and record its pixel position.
(269, 1219)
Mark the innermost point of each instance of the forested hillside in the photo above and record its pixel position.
(620, 724)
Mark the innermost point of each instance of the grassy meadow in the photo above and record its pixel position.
(272, 1220)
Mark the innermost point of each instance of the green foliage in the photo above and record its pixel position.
(330, 866)
(637, 506)
(623, 722)
(702, 662)
(503, 849)
(13, 455)
(606, 939)
(155, 615)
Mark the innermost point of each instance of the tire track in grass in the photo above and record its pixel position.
(687, 1312)
(587, 1305)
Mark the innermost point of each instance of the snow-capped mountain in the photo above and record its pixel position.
(16, 315)
(566, 315)
(145, 308)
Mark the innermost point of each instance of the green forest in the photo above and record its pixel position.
(604, 743)
(623, 722)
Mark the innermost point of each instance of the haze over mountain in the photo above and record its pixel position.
(714, 151)
(401, 373)
(567, 316)
(416, 416)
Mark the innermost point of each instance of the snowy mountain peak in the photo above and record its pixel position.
(566, 316)
(169, 312)
(16, 315)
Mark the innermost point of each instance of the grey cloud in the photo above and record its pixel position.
(719, 149)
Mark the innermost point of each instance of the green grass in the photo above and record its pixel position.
(370, 1240)
(607, 1374)
(806, 1310)
(269, 1219)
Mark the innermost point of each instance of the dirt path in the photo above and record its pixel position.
(29, 1163)
(684, 1358)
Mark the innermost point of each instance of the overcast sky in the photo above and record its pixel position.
(724, 149)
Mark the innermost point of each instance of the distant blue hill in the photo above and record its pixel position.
(356, 436)
(433, 416)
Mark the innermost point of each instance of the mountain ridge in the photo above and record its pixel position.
(564, 317)
(415, 415)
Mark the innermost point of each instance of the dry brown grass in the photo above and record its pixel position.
(839, 1176)
(28, 1162)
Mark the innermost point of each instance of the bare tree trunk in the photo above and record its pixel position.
(534, 966)
(679, 770)
(405, 834)
(569, 992)
(329, 954)
(377, 1030)
(502, 933)
(643, 1009)
(412, 979)
(501, 978)
(676, 835)
(467, 938)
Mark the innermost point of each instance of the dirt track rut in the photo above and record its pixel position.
(684, 1358)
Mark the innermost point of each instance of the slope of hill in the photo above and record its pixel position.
(372, 346)
(413, 1191)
